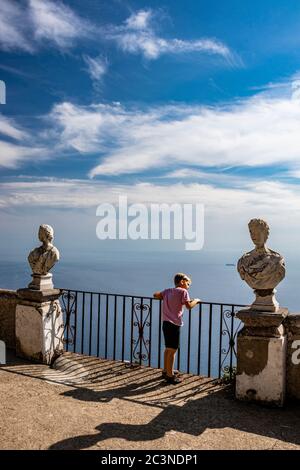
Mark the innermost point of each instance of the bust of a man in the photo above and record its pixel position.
(262, 268)
(43, 258)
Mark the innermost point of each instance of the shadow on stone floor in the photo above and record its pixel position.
(197, 404)
(217, 410)
(101, 380)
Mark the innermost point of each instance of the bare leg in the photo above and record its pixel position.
(170, 361)
(165, 359)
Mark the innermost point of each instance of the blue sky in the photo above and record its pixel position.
(174, 101)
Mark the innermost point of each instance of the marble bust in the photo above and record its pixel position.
(262, 268)
(43, 258)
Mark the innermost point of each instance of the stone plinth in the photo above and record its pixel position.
(39, 325)
(292, 325)
(261, 357)
(265, 300)
(41, 282)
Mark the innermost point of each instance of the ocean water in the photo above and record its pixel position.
(141, 274)
(214, 279)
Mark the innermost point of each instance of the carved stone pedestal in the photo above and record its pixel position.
(261, 357)
(39, 325)
(41, 282)
(265, 300)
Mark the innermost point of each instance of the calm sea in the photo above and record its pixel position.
(214, 279)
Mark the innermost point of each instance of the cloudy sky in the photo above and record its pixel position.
(163, 101)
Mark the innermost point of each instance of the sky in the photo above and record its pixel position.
(172, 101)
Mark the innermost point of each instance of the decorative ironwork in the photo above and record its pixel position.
(231, 330)
(69, 308)
(128, 328)
(141, 349)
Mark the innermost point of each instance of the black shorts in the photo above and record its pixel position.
(171, 334)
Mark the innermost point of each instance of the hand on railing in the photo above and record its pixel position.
(191, 303)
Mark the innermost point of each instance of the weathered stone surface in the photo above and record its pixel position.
(38, 296)
(39, 330)
(261, 357)
(8, 303)
(41, 282)
(268, 324)
(262, 268)
(29, 333)
(104, 405)
(261, 369)
(292, 325)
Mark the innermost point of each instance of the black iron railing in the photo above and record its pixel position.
(128, 328)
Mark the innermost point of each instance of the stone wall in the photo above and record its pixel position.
(8, 303)
(292, 325)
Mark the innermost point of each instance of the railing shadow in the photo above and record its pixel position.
(195, 405)
(217, 410)
(191, 407)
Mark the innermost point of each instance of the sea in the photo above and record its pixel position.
(214, 275)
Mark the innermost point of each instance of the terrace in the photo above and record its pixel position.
(91, 403)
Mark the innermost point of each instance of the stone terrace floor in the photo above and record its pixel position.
(88, 403)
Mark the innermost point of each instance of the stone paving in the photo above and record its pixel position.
(88, 403)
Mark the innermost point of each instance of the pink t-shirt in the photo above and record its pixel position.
(173, 302)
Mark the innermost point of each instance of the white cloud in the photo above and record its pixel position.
(139, 20)
(14, 27)
(296, 88)
(86, 129)
(255, 132)
(97, 67)
(181, 141)
(11, 155)
(216, 177)
(38, 22)
(10, 129)
(26, 26)
(54, 21)
(137, 36)
(276, 202)
(186, 173)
